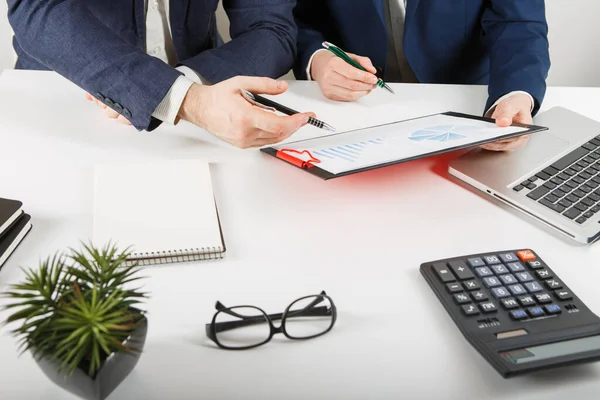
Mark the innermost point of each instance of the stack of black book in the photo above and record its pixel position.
(14, 226)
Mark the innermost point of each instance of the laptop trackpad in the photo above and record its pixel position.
(504, 167)
(541, 147)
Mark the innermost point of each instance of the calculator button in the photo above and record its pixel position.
(533, 287)
(553, 309)
(479, 296)
(461, 298)
(476, 262)
(517, 289)
(454, 287)
(526, 255)
(554, 284)
(543, 298)
(443, 272)
(526, 301)
(536, 264)
(500, 292)
(470, 309)
(471, 285)
(491, 281)
(509, 303)
(508, 279)
(543, 274)
(524, 276)
(488, 307)
(483, 271)
(499, 269)
(516, 267)
(563, 295)
(518, 314)
(491, 260)
(536, 311)
(461, 270)
(508, 257)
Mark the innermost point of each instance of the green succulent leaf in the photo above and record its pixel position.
(77, 308)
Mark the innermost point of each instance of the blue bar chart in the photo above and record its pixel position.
(348, 152)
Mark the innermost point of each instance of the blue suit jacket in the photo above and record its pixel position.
(99, 45)
(500, 43)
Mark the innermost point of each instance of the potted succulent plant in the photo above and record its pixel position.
(77, 315)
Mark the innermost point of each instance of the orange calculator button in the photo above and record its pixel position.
(526, 255)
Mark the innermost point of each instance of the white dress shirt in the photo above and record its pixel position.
(398, 26)
(159, 44)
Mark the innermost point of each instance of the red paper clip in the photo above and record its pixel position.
(295, 160)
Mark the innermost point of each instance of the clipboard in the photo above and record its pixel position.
(355, 151)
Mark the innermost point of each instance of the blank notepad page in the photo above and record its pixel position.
(159, 206)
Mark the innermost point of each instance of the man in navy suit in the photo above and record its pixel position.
(499, 43)
(152, 61)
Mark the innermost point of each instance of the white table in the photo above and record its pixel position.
(361, 238)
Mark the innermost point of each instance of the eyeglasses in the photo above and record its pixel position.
(245, 327)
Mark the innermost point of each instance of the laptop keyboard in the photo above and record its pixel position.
(570, 186)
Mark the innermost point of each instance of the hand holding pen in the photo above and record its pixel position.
(271, 105)
(221, 110)
(344, 76)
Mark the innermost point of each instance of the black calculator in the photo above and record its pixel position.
(516, 312)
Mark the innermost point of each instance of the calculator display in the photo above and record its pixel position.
(545, 351)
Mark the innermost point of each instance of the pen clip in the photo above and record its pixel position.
(250, 98)
(297, 161)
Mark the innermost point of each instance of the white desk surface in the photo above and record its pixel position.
(361, 238)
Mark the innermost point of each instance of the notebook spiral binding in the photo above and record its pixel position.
(176, 256)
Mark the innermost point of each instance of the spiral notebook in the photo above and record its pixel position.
(164, 211)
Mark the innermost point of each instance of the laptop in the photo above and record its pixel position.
(555, 178)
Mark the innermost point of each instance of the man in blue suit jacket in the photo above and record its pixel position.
(499, 43)
(148, 61)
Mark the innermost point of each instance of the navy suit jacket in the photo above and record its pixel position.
(99, 45)
(499, 43)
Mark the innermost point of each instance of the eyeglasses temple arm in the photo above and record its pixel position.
(259, 319)
(226, 310)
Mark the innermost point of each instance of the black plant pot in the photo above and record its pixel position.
(111, 373)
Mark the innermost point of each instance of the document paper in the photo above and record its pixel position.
(393, 142)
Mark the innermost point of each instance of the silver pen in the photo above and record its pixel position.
(267, 104)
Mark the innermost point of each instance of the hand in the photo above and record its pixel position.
(516, 108)
(339, 80)
(110, 113)
(221, 110)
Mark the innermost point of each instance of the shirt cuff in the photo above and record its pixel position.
(506, 96)
(191, 74)
(308, 77)
(169, 107)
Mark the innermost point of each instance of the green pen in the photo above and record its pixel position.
(341, 54)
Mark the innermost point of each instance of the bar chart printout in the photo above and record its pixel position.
(348, 151)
